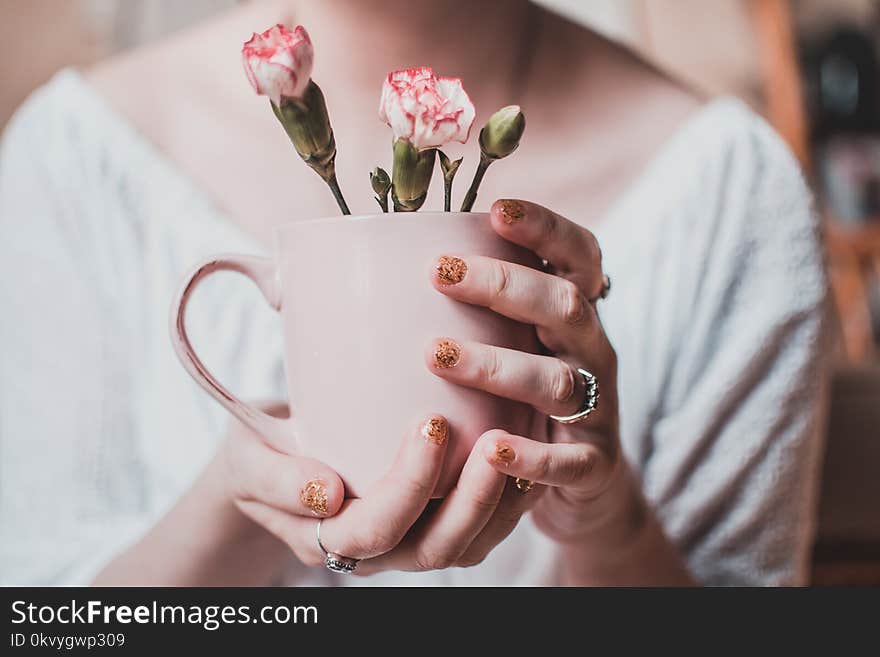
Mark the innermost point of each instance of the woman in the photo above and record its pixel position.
(698, 467)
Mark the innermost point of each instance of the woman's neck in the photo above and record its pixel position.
(596, 114)
(359, 41)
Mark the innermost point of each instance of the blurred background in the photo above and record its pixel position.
(809, 66)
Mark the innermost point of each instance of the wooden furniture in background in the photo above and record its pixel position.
(853, 253)
(783, 96)
(854, 261)
(847, 549)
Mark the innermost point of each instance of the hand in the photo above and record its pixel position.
(395, 526)
(581, 464)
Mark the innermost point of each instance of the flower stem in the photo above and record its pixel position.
(383, 202)
(337, 193)
(450, 168)
(471, 195)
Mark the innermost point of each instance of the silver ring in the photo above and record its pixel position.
(335, 562)
(604, 290)
(606, 286)
(591, 400)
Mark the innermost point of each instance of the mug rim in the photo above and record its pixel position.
(383, 216)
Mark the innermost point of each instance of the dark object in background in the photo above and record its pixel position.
(842, 85)
(847, 550)
(874, 310)
(840, 75)
(843, 103)
(848, 177)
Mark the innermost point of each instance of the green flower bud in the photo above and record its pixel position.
(381, 184)
(380, 181)
(307, 124)
(502, 132)
(411, 176)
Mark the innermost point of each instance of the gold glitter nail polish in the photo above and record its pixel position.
(435, 430)
(447, 354)
(504, 453)
(512, 211)
(314, 497)
(451, 270)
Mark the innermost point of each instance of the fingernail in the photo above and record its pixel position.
(512, 211)
(504, 453)
(436, 430)
(447, 354)
(451, 270)
(314, 497)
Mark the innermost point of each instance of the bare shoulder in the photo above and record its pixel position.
(143, 86)
(114, 78)
(167, 84)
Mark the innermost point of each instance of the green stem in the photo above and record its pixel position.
(383, 202)
(471, 195)
(337, 193)
(447, 195)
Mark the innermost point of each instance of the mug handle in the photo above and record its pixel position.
(277, 432)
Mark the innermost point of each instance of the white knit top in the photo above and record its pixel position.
(717, 316)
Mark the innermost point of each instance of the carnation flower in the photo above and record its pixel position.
(278, 62)
(426, 110)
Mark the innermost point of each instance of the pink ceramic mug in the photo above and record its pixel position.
(358, 312)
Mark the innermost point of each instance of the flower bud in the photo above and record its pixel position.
(411, 175)
(502, 132)
(306, 122)
(380, 181)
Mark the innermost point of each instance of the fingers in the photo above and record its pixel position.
(547, 383)
(570, 248)
(452, 528)
(376, 523)
(578, 466)
(294, 484)
(521, 293)
(297, 532)
(514, 503)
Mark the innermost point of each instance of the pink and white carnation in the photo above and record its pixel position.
(278, 62)
(426, 110)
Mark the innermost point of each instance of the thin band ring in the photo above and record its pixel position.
(591, 400)
(335, 562)
(524, 485)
